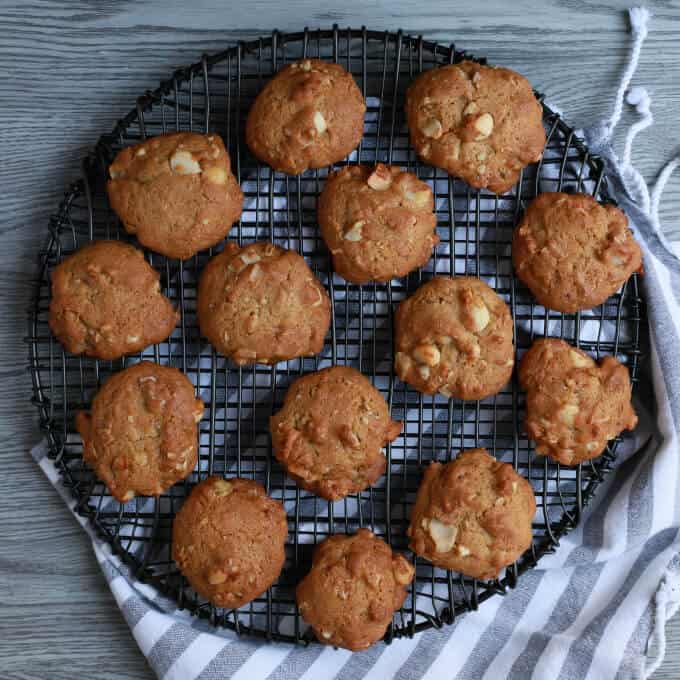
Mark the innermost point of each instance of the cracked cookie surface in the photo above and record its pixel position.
(355, 585)
(262, 304)
(176, 192)
(574, 405)
(141, 435)
(309, 115)
(107, 302)
(330, 432)
(378, 222)
(480, 123)
(472, 515)
(454, 336)
(572, 252)
(228, 540)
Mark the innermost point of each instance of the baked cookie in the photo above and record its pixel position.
(480, 123)
(228, 540)
(572, 252)
(262, 304)
(377, 222)
(142, 434)
(355, 585)
(454, 336)
(574, 406)
(330, 432)
(472, 515)
(309, 115)
(107, 302)
(176, 192)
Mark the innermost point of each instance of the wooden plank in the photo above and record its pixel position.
(69, 70)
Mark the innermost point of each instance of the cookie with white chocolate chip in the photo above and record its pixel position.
(480, 123)
(107, 302)
(309, 115)
(574, 405)
(572, 252)
(355, 585)
(330, 432)
(141, 435)
(262, 304)
(176, 192)
(228, 540)
(378, 222)
(454, 336)
(472, 515)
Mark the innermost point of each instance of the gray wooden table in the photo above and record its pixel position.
(68, 70)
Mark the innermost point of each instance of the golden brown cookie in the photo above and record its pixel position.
(480, 123)
(228, 540)
(176, 192)
(472, 515)
(330, 432)
(141, 435)
(574, 406)
(572, 252)
(454, 336)
(107, 302)
(355, 585)
(309, 115)
(262, 304)
(378, 222)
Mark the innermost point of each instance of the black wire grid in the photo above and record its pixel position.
(475, 227)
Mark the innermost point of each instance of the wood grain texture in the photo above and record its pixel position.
(68, 71)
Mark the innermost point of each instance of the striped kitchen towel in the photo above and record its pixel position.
(594, 609)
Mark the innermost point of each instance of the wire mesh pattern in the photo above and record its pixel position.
(475, 228)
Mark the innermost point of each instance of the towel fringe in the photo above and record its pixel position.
(666, 604)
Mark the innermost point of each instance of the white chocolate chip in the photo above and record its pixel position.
(128, 496)
(132, 338)
(255, 273)
(131, 419)
(354, 233)
(578, 360)
(306, 65)
(445, 392)
(183, 163)
(198, 416)
(443, 535)
(432, 128)
(205, 221)
(140, 152)
(470, 109)
(514, 487)
(424, 372)
(216, 577)
(463, 551)
(249, 257)
(484, 126)
(380, 179)
(320, 122)
(480, 316)
(326, 635)
(427, 354)
(567, 413)
(592, 446)
(418, 197)
(222, 487)
(216, 175)
(148, 378)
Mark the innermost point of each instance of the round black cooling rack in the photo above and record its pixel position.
(475, 228)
